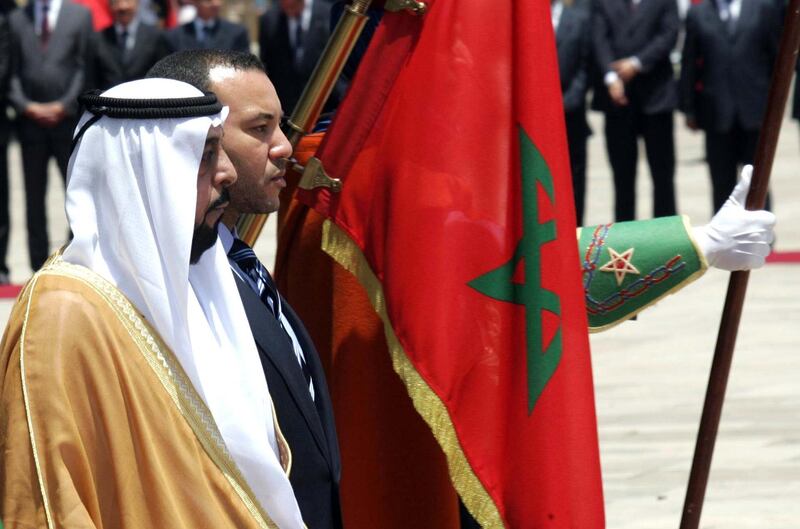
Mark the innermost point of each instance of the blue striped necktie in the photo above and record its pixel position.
(248, 262)
(246, 259)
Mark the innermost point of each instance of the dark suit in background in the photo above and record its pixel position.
(51, 73)
(223, 35)
(306, 423)
(737, 62)
(574, 46)
(5, 133)
(647, 31)
(111, 65)
(278, 55)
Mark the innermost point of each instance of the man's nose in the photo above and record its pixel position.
(281, 148)
(226, 173)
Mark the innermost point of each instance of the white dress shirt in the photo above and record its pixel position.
(130, 40)
(556, 8)
(54, 6)
(729, 11)
(304, 20)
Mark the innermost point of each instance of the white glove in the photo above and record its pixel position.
(737, 239)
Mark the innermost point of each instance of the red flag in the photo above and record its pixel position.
(101, 13)
(456, 214)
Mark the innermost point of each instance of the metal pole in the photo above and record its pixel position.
(737, 287)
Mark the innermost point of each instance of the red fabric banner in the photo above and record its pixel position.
(101, 13)
(457, 192)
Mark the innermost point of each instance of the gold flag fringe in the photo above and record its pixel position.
(343, 250)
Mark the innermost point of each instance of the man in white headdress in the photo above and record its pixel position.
(131, 394)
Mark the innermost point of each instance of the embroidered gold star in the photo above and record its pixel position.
(620, 264)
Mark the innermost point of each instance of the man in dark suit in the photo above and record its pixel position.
(632, 41)
(49, 40)
(5, 132)
(292, 35)
(125, 50)
(208, 31)
(726, 97)
(572, 27)
(259, 151)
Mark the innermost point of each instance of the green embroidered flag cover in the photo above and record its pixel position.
(457, 215)
(627, 266)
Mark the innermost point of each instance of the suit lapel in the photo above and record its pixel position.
(29, 13)
(275, 346)
(322, 399)
(713, 18)
(111, 39)
(33, 42)
(316, 28)
(565, 25)
(190, 35)
(621, 11)
(137, 52)
(745, 16)
(215, 39)
(283, 38)
(63, 21)
(141, 47)
(640, 11)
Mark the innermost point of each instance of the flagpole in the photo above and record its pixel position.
(737, 286)
(314, 97)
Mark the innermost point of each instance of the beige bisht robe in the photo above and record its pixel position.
(100, 426)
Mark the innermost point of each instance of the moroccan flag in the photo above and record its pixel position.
(456, 214)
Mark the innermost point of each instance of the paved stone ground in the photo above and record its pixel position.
(650, 374)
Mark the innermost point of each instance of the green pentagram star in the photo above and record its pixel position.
(498, 283)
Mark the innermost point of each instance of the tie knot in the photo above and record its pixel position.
(241, 251)
(247, 261)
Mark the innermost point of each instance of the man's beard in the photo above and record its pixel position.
(205, 236)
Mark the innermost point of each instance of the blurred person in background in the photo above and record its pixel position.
(728, 56)
(632, 41)
(49, 51)
(125, 50)
(208, 31)
(160, 13)
(572, 28)
(292, 35)
(5, 132)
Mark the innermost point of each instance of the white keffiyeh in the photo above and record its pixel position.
(131, 193)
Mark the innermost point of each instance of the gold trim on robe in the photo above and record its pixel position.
(107, 443)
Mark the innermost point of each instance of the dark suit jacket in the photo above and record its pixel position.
(733, 81)
(226, 36)
(573, 45)
(649, 32)
(57, 72)
(306, 423)
(278, 57)
(108, 66)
